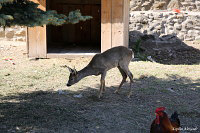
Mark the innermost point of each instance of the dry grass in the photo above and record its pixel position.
(29, 99)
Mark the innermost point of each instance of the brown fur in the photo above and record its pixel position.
(119, 57)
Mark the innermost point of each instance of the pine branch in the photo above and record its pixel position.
(27, 13)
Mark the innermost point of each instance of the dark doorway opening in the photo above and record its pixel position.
(84, 37)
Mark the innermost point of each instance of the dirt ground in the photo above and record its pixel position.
(34, 97)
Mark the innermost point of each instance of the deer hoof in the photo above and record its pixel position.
(129, 95)
(116, 92)
(99, 96)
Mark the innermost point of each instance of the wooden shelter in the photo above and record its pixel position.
(107, 29)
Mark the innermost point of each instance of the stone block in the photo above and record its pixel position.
(10, 34)
(2, 34)
(197, 38)
(189, 38)
(177, 26)
(21, 33)
(181, 36)
(22, 39)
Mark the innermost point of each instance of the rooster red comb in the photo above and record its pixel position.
(160, 109)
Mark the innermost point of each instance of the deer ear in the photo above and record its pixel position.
(70, 70)
(75, 72)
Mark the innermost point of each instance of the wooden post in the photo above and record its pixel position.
(115, 24)
(106, 27)
(36, 39)
(126, 22)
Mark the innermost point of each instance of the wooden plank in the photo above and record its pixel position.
(68, 30)
(117, 23)
(42, 4)
(79, 33)
(31, 43)
(83, 28)
(56, 37)
(96, 25)
(37, 42)
(106, 31)
(70, 55)
(126, 22)
(78, 2)
(87, 32)
(27, 47)
(37, 37)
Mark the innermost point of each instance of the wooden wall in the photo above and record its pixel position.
(114, 27)
(84, 33)
(114, 23)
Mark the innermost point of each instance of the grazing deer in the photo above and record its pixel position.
(119, 57)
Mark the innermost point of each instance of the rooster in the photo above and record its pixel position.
(163, 124)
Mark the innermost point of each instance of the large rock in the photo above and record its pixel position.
(197, 38)
(174, 4)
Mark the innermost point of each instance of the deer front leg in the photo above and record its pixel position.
(102, 86)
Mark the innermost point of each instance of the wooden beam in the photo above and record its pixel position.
(126, 22)
(106, 27)
(117, 23)
(78, 2)
(69, 55)
(37, 42)
(42, 4)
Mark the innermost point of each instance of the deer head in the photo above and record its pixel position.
(73, 77)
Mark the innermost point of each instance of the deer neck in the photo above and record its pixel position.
(87, 71)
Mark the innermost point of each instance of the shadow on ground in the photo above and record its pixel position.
(48, 111)
(167, 49)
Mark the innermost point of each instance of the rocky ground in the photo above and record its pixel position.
(34, 96)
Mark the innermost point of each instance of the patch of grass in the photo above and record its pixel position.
(23, 105)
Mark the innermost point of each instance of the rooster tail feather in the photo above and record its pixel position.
(175, 118)
(174, 115)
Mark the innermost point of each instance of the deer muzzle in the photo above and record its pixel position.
(68, 85)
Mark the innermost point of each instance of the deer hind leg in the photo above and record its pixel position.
(124, 76)
(102, 86)
(130, 75)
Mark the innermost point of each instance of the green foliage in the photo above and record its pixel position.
(27, 13)
(137, 46)
(137, 50)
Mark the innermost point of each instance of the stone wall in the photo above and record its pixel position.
(158, 18)
(16, 33)
(184, 5)
(186, 26)
(153, 17)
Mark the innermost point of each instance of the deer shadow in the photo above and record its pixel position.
(167, 49)
(49, 111)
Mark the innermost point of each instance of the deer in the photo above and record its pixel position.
(119, 57)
